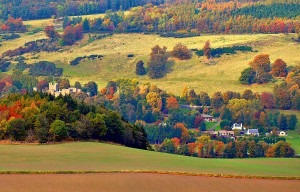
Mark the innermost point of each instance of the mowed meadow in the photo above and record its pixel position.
(92, 156)
(194, 73)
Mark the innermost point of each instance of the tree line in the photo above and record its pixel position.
(43, 118)
(37, 9)
(187, 18)
(204, 147)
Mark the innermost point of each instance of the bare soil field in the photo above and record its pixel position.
(140, 182)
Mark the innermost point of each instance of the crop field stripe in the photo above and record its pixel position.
(149, 171)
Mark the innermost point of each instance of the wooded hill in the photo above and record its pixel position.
(39, 9)
(43, 118)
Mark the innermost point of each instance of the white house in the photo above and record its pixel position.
(282, 133)
(237, 126)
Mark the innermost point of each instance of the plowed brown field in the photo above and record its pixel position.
(140, 182)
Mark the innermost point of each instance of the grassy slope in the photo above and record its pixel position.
(195, 73)
(105, 157)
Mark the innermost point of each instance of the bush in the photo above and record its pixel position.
(130, 55)
(181, 52)
(247, 76)
(179, 35)
(77, 60)
(58, 130)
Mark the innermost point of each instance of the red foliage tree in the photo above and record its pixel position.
(267, 100)
(279, 68)
(172, 103)
(198, 120)
(51, 33)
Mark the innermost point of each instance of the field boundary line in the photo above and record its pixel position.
(151, 172)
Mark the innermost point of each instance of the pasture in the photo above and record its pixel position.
(195, 73)
(92, 156)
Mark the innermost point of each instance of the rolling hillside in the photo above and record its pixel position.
(195, 73)
(105, 157)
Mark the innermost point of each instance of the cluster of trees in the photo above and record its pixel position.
(217, 52)
(11, 36)
(157, 66)
(71, 34)
(17, 82)
(253, 114)
(47, 45)
(261, 71)
(77, 60)
(157, 63)
(150, 104)
(13, 25)
(186, 18)
(4, 64)
(204, 147)
(45, 68)
(43, 118)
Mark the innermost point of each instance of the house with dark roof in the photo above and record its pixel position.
(252, 132)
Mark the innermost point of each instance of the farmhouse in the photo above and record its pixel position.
(252, 132)
(225, 133)
(237, 126)
(208, 118)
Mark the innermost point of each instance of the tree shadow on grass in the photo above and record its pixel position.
(169, 68)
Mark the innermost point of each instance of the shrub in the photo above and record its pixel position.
(179, 35)
(77, 60)
(181, 52)
(130, 55)
(247, 76)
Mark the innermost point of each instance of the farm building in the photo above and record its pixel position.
(237, 126)
(208, 118)
(252, 132)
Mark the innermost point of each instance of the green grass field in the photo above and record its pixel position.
(105, 157)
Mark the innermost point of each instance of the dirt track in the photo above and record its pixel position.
(139, 182)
